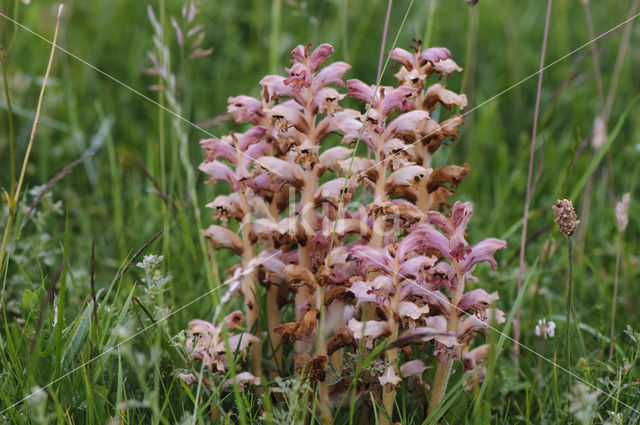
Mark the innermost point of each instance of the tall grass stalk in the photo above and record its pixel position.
(274, 35)
(166, 240)
(13, 200)
(431, 12)
(594, 52)
(611, 94)
(567, 341)
(530, 188)
(617, 68)
(472, 38)
(384, 40)
(622, 219)
(12, 152)
(615, 295)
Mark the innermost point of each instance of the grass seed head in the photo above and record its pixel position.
(622, 212)
(565, 216)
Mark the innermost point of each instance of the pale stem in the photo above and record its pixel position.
(274, 315)
(303, 294)
(389, 397)
(336, 308)
(250, 289)
(321, 350)
(444, 368)
(379, 196)
(304, 260)
(424, 199)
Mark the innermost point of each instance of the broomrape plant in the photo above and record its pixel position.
(391, 276)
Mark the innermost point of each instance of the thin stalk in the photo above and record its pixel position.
(472, 37)
(13, 201)
(344, 18)
(617, 68)
(594, 54)
(606, 106)
(527, 203)
(166, 240)
(615, 296)
(430, 14)
(12, 153)
(274, 35)
(567, 342)
(384, 40)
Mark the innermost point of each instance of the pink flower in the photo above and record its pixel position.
(407, 59)
(331, 74)
(376, 259)
(299, 77)
(245, 109)
(399, 98)
(319, 56)
(216, 148)
(483, 251)
(435, 54)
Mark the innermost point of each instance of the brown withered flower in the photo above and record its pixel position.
(565, 216)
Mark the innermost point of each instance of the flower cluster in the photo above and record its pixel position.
(545, 329)
(391, 270)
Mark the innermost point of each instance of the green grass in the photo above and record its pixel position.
(109, 200)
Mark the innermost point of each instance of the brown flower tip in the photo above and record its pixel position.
(566, 217)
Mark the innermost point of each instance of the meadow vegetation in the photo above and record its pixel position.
(105, 264)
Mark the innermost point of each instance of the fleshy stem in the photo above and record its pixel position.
(304, 259)
(389, 397)
(13, 200)
(444, 368)
(379, 196)
(615, 296)
(274, 315)
(249, 286)
(308, 221)
(527, 202)
(567, 342)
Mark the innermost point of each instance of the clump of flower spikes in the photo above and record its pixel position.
(392, 271)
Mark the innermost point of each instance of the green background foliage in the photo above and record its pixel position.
(108, 200)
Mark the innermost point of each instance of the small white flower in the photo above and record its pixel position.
(150, 261)
(545, 329)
